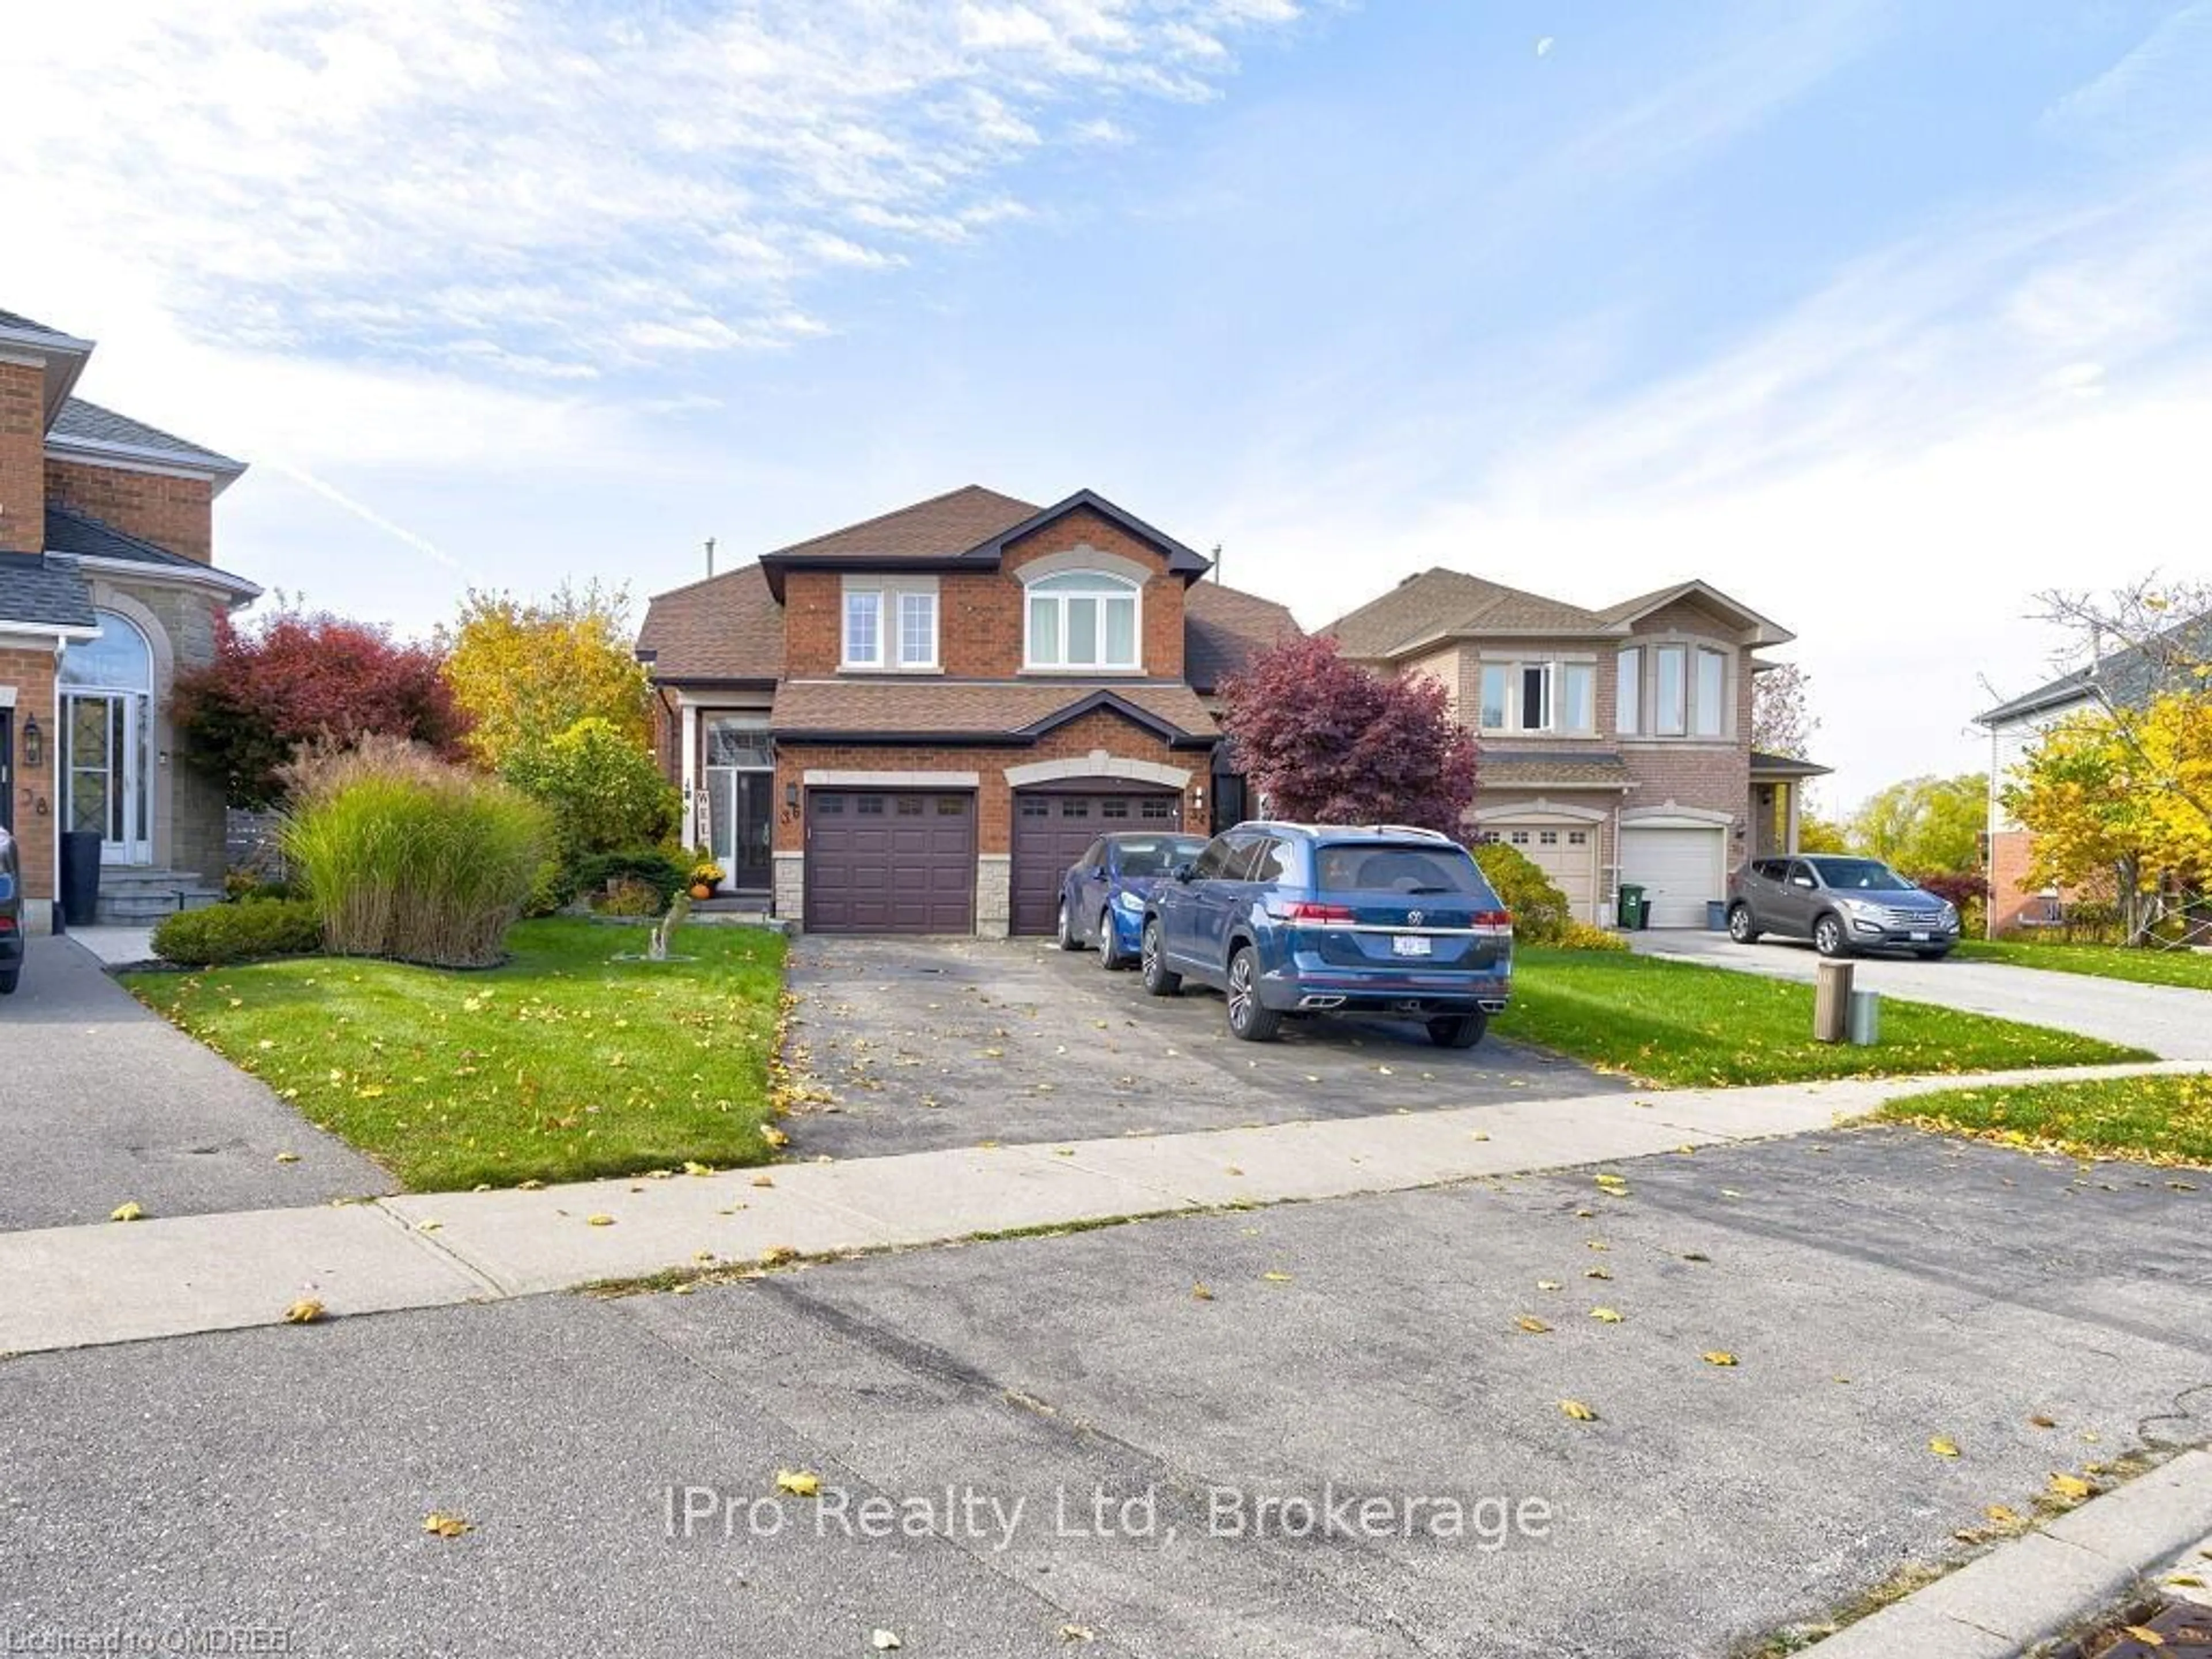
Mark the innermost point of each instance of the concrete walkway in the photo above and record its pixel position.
(103, 1102)
(2167, 1019)
(78, 1286)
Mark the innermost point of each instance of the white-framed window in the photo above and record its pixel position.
(1672, 689)
(891, 624)
(1628, 692)
(1538, 696)
(1708, 708)
(1082, 619)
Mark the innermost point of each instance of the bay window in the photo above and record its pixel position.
(1708, 713)
(1082, 619)
(1628, 692)
(1670, 692)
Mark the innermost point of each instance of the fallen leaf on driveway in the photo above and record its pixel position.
(445, 1525)
(599, 1221)
(2042, 1421)
(776, 1254)
(1531, 1324)
(1695, 1255)
(1595, 1272)
(1276, 1278)
(1717, 1356)
(1943, 1446)
(799, 1482)
(763, 1181)
(1577, 1411)
(1077, 1633)
(533, 1185)
(288, 1158)
(1606, 1315)
(882, 1641)
(131, 1212)
(2070, 1485)
(2002, 1515)
(2144, 1634)
(1201, 1292)
(774, 1136)
(1478, 1134)
(1547, 1285)
(306, 1312)
(693, 1168)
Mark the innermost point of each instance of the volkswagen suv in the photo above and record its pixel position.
(1289, 920)
(1841, 904)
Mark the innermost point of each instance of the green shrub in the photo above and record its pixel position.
(238, 933)
(407, 856)
(604, 788)
(626, 896)
(597, 872)
(1582, 936)
(1539, 909)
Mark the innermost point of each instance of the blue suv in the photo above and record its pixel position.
(1296, 919)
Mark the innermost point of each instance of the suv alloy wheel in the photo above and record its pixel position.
(1248, 1019)
(1159, 981)
(1828, 936)
(1741, 929)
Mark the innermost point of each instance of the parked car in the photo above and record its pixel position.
(1289, 920)
(11, 916)
(1101, 897)
(1842, 904)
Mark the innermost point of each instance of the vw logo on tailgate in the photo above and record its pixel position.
(1414, 918)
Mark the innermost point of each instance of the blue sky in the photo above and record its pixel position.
(1878, 316)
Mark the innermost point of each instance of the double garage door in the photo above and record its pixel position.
(890, 861)
(1053, 830)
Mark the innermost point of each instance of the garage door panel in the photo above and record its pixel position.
(1053, 830)
(1565, 853)
(882, 861)
(1680, 870)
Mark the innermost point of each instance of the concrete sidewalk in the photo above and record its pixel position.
(80, 1286)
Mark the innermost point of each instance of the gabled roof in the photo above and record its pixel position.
(2129, 677)
(44, 595)
(726, 628)
(1181, 560)
(1225, 627)
(98, 433)
(1629, 613)
(64, 356)
(1437, 604)
(976, 711)
(943, 527)
(79, 535)
(13, 322)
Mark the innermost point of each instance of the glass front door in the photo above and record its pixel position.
(737, 822)
(104, 773)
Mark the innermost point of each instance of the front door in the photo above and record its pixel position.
(739, 824)
(103, 774)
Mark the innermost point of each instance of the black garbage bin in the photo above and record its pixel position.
(80, 876)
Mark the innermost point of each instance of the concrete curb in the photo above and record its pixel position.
(81, 1286)
(2043, 1583)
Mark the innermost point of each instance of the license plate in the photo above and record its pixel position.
(1410, 945)
(1917, 939)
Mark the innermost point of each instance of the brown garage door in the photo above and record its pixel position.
(890, 861)
(1053, 827)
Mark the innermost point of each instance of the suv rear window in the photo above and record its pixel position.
(1391, 867)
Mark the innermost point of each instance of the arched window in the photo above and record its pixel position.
(120, 660)
(1082, 619)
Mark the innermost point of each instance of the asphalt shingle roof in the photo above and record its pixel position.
(1439, 601)
(726, 628)
(2128, 677)
(1225, 627)
(939, 528)
(16, 320)
(68, 531)
(35, 592)
(91, 423)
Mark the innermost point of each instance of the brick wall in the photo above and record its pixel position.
(979, 614)
(22, 459)
(178, 513)
(996, 809)
(37, 794)
(2011, 851)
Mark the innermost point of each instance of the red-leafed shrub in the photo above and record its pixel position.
(295, 679)
(1961, 887)
(1327, 741)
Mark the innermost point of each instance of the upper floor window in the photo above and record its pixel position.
(1082, 619)
(1672, 691)
(1538, 697)
(891, 625)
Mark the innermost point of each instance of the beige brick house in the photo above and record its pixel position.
(915, 723)
(1616, 743)
(107, 589)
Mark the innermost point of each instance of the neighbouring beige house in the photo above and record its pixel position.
(1616, 743)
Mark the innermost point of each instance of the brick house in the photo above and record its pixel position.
(1616, 743)
(915, 723)
(106, 589)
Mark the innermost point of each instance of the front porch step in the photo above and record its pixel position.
(133, 897)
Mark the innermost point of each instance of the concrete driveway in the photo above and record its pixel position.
(1879, 1289)
(2172, 1022)
(103, 1101)
(921, 1043)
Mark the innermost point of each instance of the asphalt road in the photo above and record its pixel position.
(926, 1043)
(2171, 1021)
(1879, 1288)
(103, 1102)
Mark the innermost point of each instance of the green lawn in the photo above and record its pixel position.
(2144, 966)
(2154, 1120)
(560, 1066)
(1672, 1024)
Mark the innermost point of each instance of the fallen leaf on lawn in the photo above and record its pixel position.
(2070, 1485)
(882, 1641)
(776, 1254)
(1943, 1446)
(1720, 1357)
(774, 1136)
(1577, 1411)
(1201, 1293)
(2041, 1421)
(288, 1158)
(763, 1181)
(1531, 1324)
(305, 1311)
(1276, 1278)
(599, 1221)
(1606, 1315)
(131, 1212)
(693, 1168)
(799, 1482)
(532, 1185)
(444, 1525)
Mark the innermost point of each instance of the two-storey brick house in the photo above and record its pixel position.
(915, 723)
(1616, 744)
(108, 588)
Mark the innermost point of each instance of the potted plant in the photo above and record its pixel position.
(706, 876)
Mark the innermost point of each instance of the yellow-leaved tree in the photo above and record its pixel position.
(527, 671)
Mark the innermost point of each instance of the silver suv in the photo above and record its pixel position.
(1841, 904)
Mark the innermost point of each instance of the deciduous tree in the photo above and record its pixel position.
(1782, 718)
(1328, 741)
(1925, 823)
(527, 671)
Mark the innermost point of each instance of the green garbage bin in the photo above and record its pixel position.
(1629, 911)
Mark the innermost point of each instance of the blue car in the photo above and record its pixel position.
(11, 916)
(1101, 897)
(1290, 919)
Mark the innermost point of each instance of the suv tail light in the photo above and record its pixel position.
(7, 924)
(1499, 922)
(1306, 910)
